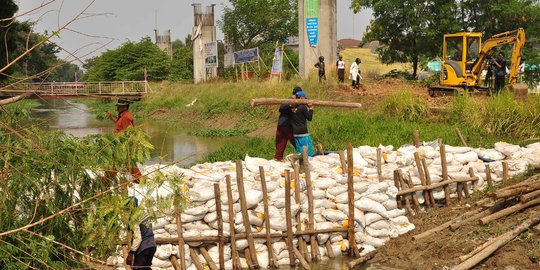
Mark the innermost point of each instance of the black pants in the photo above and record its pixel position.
(143, 260)
(499, 83)
(322, 76)
(356, 83)
(341, 74)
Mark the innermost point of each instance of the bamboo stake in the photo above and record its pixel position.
(320, 103)
(437, 185)
(474, 183)
(461, 138)
(444, 168)
(499, 242)
(320, 149)
(362, 259)
(416, 138)
(399, 198)
(329, 250)
(475, 217)
(245, 216)
(195, 259)
(428, 181)
(444, 225)
(180, 233)
(272, 260)
(208, 259)
(234, 251)
(505, 172)
(488, 176)
(422, 178)
(175, 263)
(315, 256)
(411, 185)
(221, 243)
(379, 164)
(466, 186)
(402, 183)
(508, 211)
(301, 243)
(288, 217)
(350, 190)
(342, 160)
(301, 259)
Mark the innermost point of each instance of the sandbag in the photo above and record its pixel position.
(368, 205)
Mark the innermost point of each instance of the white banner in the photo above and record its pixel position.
(211, 55)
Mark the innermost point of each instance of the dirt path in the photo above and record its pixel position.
(442, 250)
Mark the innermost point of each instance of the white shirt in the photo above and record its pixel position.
(341, 64)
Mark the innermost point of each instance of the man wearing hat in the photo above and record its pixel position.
(124, 119)
(300, 115)
(284, 131)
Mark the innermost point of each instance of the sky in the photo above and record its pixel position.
(108, 23)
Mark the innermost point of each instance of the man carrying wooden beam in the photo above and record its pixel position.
(299, 117)
(284, 131)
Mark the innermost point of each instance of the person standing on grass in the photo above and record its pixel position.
(284, 131)
(488, 82)
(340, 65)
(143, 244)
(321, 66)
(355, 73)
(300, 115)
(500, 72)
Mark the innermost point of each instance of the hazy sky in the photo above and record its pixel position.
(123, 20)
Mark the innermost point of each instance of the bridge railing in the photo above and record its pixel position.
(82, 88)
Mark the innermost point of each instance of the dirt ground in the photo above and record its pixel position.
(442, 249)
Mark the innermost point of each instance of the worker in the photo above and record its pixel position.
(340, 66)
(124, 119)
(143, 244)
(299, 117)
(284, 130)
(488, 81)
(322, 71)
(500, 72)
(355, 73)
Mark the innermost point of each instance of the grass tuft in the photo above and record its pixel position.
(405, 106)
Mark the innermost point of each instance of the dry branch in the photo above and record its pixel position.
(322, 103)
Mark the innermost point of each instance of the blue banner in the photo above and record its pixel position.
(244, 56)
(311, 13)
(277, 64)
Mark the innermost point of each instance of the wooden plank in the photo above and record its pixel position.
(399, 198)
(221, 243)
(527, 197)
(234, 251)
(444, 170)
(288, 217)
(362, 260)
(276, 101)
(315, 256)
(301, 259)
(272, 260)
(474, 183)
(350, 194)
(208, 259)
(245, 216)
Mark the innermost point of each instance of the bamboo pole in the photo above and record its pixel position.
(234, 251)
(437, 185)
(515, 190)
(195, 259)
(416, 138)
(175, 263)
(527, 197)
(288, 217)
(379, 164)
(461, 138)
(478, 216)
(428, 181)
(320, 103)
(444, 225)
(362, 260)
(329, 250)
(505, 172)
(208, 259)
(508, 211)
(397, 175)
(476, 250)
(444, 169)
(301, 259)
(422, 178)
(180, 233)
(272, 260)
(488, 176)
(245, 216)
(221, 243)
(474, 183)
(399, 199)
(499, 242)
(301, 243)
(411, 185)
(343, 162)
(350, 190)
(10, 100)
(315, 256)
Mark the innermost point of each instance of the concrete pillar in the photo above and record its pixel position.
(327, 40)
(204, 31)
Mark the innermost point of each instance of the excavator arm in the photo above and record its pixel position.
(517, 37)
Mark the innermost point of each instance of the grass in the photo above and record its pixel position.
(219, 132)
(370, 62)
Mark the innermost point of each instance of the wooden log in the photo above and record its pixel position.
(444, 170)
(437, 185)
(329, 250)
(529, 196)
(509, 210)
(343, 162)
(301, 242)
(505, 172)
(399, 199)
(321, 103)
(247, 255)
(461, 138)
(14, 99)
(516, 190)
(208, 259)
(483, 201)
(301, 259)
(444, 225)
(245, 216)
(499, 205)
(272, 260)
(315, 256)
(402, 183)
(195, 259)
(362, 260)
(474, 183)
(476, 250)
(488, 176)
(379, 164)
(180, 233)
(175, 263)
(288, 217)
(234, 251)
(422, 179)
(221, 242)
(428, 181)
(499, 242)
(413, 194)
(350, 195)
(416, 138)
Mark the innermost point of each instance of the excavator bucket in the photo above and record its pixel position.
(520, 90)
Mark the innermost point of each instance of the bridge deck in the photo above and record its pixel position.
(80, 89)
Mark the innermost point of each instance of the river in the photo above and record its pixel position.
(171, 143)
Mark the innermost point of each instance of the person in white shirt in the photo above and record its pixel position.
(355, 73)
(340, 65)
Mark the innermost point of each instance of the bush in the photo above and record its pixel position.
(405, 106)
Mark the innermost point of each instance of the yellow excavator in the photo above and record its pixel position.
(465, 57)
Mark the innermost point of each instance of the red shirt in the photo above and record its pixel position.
(125, 119)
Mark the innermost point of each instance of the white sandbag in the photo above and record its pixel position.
(467, 157)
(253, 198)
(156, 262)
(405, 228)
(163, 252)
(390, 204)
(333, 215)
(211, 217)
(400, 220)
(456, 149)
(380, 225)
(196, 211)
(253, 163)
(318, 194)
(373, 241)
(377, 233)
(378, 197)
(337, 190)
(397, 212)
(370, 218)
(368, 205)
(489, 155)
(344, 197)
(366, 249)
(189, 218)
(506, 148)
(323, 183)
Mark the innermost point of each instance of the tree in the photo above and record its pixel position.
(7, 9)
(182, 63)
(249, 23)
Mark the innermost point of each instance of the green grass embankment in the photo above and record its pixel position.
(222, 109)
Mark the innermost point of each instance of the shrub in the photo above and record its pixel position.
(405, 106)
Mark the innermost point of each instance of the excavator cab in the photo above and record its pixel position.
(460, 52)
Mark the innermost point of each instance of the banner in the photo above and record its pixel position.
(211, 55)
(311, 8)
(244, 56)
(228, 59)
(277, 64)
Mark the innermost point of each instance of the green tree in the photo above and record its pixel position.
(182, 62)
(250, 23)
(7, 9)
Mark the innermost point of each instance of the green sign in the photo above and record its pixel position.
(311, 8)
